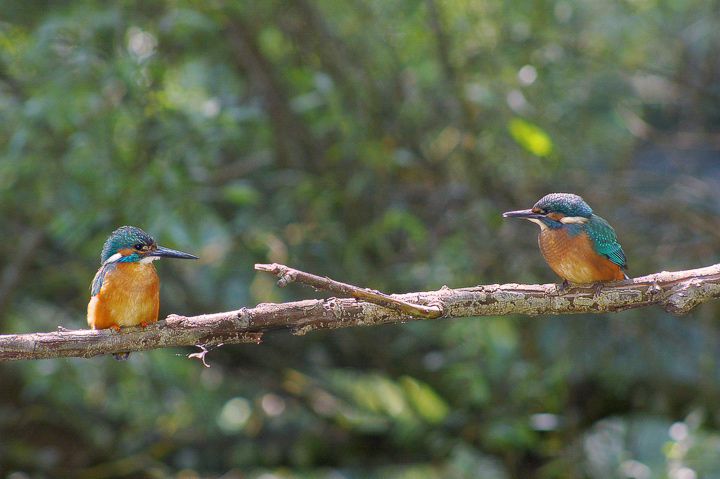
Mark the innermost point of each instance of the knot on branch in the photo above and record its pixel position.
(687, 294)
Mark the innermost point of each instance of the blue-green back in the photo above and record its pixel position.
(604, 240)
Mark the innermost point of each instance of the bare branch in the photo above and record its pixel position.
(677, 292)
(175, 330)
(288, 275)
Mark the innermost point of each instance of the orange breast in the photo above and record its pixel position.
(573, 257)
(127, 297)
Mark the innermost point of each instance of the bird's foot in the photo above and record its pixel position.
(143, 324)
(119, 356)
(597, 289)
(561, 287)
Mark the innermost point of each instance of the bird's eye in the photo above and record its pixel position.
(139, 246)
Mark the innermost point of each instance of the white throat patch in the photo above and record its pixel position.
(148, 259)
(542, 225)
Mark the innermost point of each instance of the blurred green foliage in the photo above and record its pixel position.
(376, 143)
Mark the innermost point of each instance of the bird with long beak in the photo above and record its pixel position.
(577, 244)
(125, 291)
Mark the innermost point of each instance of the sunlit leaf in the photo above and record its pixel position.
(424, 399)
(531, 137)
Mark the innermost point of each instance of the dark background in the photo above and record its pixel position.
(377, 143)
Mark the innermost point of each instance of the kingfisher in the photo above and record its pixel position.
(577, 244)
(125, 290)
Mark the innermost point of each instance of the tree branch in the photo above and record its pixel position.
(289, 275)
(677, 292)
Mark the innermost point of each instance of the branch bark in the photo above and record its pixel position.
(289, 275)
(677, 292)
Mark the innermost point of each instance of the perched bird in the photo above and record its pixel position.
(125, 291)
(578, 245)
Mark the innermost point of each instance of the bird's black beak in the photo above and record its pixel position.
(170, 253)
(527, 214)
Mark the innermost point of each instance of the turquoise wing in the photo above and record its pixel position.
(98, 280)
(605, 241)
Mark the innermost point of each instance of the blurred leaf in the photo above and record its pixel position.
(241, 194)
(425, 401)
(531, 137)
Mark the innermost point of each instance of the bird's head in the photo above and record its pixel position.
(555, 210)
(131, 244)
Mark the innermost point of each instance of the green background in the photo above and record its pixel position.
(378, 143)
